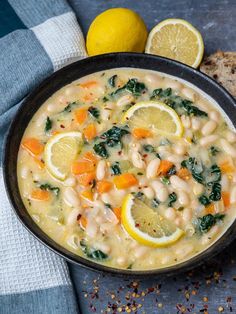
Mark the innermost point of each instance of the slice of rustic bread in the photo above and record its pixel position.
(222, 67)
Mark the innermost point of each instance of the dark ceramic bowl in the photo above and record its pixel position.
(66, 76)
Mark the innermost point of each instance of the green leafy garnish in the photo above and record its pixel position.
(112, 80)
(206, 222)
(105, 99)
(49, 187)
(204, 200)
(100, 150)
(132, 86)
(148, 148)
(115, 169)
(92, 253)
(179, 104)
(155, 203)
(165, 180)
(172, 198)
(70, 106)
(48, 125)
(113, 136)
(95, 113)
(213, 150)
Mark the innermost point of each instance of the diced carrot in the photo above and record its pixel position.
(226, 167)
(81, 115)
(88, 97)
(104, 186)
(82, 166)
(55, 132)
(117, 212)
(90, 131)
(164, 167)
(210, 208)
(83, 222)
(226, 198)
(86, 179)
(124, 181)
(140, 133)
(88, 84)
(33, 146)
(39, 162)
(90, 156)
(87, 194)
(40, 195)
(184, 173)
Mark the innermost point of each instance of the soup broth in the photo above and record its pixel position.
(120, 188)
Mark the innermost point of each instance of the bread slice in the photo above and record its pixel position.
(222, 67)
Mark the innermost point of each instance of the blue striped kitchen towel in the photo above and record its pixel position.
(36, 38)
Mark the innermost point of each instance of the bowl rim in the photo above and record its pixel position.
(120, 58)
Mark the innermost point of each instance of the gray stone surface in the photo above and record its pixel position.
(208, 287)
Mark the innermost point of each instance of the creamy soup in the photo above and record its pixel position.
(130, 168)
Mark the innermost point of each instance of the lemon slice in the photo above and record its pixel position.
(146, 226)
(154, 116)
(176, 39)
(60, 151)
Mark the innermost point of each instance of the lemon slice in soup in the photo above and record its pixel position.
(147, 226)
(154, 116)
(60, 151)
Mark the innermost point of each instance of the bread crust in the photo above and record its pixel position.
(222, 67)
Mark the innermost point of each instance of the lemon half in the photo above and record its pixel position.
(147, 226)
(60, 151)
(154, 116)
(176, 39)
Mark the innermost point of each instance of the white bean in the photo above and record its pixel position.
(170, 213)
(214, 115)
(110, 216)
(137, 160)
(136, 146)
(166, 259)
(207, 140)
(189, 93)
(121, 261)
(149, 193)
(230, 136)
(187, 215)
(91, 228)
(160, 191)
(183, 198)
(124, 100)
(228, 148)
(225, 182)
(186, 122)
(106, 198)
(179, 149)
(179, 184)
(52, 107)
(196, 123)
(233, 195)
(73, 241)
(174, 84)
(152, 168)
(24, 172)
(153, 79)
(184, 250)
(70, 181)
(72, 217)
(175, 159)
(62, 99)
(140, 251)
(209, 127)
(71, 197)
(105, 114)
(197, 189)
(101, 169)
(71, 90)
(41, 119)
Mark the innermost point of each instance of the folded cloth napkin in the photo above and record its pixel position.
(36, 38)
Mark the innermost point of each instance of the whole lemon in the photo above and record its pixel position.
(116, 30)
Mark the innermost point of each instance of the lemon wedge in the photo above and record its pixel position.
(147, 226)
(176, 39)
(154, 116)
(60, 151)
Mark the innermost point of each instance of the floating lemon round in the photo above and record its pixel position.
(147, 226)
(60, 151)
(116, 30)
(154, 116)
(176, 39)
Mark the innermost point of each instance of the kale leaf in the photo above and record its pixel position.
(133, 86)
(92, 253)
(48, 125)
(115, 168)
(112, 80)
(113, 136)
(94, 112)
(213, 150)
(204, 200)
(70, 106)
(100, 149)
(206, 222)
(49, 187)
(172, 198)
